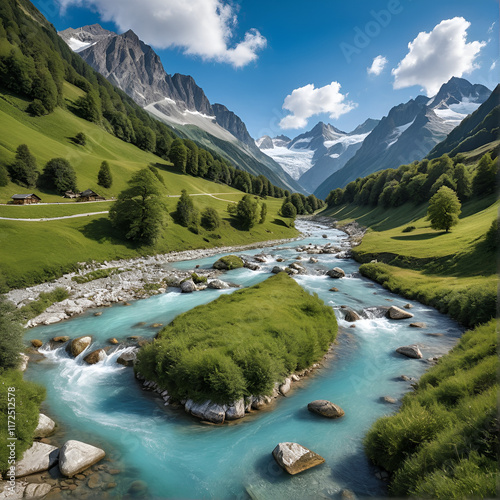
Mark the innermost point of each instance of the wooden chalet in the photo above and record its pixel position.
(89, 195)
(71, 194)
(25, 199)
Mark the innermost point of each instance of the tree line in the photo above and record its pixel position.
(420, 181)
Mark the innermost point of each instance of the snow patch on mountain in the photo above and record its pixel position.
(398, 132)
(293, 162)
(77, 45)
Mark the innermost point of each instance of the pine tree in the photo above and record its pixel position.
(24, 170)
(186, 214)
(104, 177)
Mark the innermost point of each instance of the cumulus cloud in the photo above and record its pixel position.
(202, 28)
(377, 66)
(433, 58)
(307, 101)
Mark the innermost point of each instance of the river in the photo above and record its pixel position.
(177, 456)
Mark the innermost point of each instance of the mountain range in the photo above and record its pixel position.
(410, 131)
(177, 100)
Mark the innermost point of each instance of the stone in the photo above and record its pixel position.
(336, 273)
(418, 324)
(95, 357)
(36, 343)
(45, 426)
(99, 313)
(156, 325)
(298, 267)
(76, 456)
(397, 313)
(325, 236)
(78, 345)
(388, 399)
(285, 387)
(411, 351)
(218, 285)
(188, 286)
(326, 408)
(236, 410)
(258, 402)
(61, 338)
(23, 361)
(36, 490)
(252, 266)
(127, 358)
(295, 458)
(333, 289)
(261, 258)
(408, 306)
(93, 481)
(351, 316)
(313, 260)
(211, 412)
(138, 489)
(277, 269)
(113, 341)
(38, 458)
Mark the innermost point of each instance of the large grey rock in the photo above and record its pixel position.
(188, 286)
(258, 402)
(236, 410)
(252, 266)
(35, 491)
(76, 456)
(211, 412)
(336, 273)
(397, 313)
(38, 458)
(285, 386)
(411, 351)
(277, 269)
(295, 458)
(45, 426)
(78, 345)
(127, 358)
(218, 285)
(325, 408)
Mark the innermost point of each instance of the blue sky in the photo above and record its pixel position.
(251, 54)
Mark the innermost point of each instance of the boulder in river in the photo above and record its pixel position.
(38, 458)
(211, 412)
(397, 313)
(95, 357)
(218, 285)
(45, 426)
(336, 273)
(188, 286)
(418, 324)
(36, 343)
(325, 408)
(228, 262)
(351, 316)
(76, 456)
(61, 338)
(252, 266)
(411, 351)
(78, 345)
(277, 269)
(295, 458)
(127, 358)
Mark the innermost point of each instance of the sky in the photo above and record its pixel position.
(283, 66)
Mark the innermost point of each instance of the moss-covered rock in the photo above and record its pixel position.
(228, 262)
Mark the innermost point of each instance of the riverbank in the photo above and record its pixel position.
(128, 279)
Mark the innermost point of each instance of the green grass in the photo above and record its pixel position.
(238, 345)
(443, 443)
(32, 252)
(454, 272)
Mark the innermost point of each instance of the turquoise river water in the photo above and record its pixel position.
(178, 457)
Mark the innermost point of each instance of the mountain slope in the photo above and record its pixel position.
(484, 120)
(313, 156)
(135, 68)
(410, 131)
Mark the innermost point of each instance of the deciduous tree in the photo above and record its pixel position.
(444, 209)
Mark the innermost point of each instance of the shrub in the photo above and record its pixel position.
(24, 170)
(210, 219)
(492, 237)
(81, 139)
(198, 279)
(186, 214)
(58, 174)
(408, 229)
(36, 108)
(11, 336)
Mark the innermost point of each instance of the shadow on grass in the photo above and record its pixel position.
(280, 222)
(419, 237)
(102, 231)
(167, 168)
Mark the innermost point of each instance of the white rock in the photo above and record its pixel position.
(397, 313)
(38, 458)
(218, 285)
(23, 364)
(188, 286)
(411, 351)
(45, 426)
(285, 387)
(236, 410)
(76, 456)
(295, 458)
(36, 490)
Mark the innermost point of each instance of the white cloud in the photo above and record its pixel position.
(200, 27)
(493, 65)
(490, 29)
(377, 66)
(435, 57)
(307, 101)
